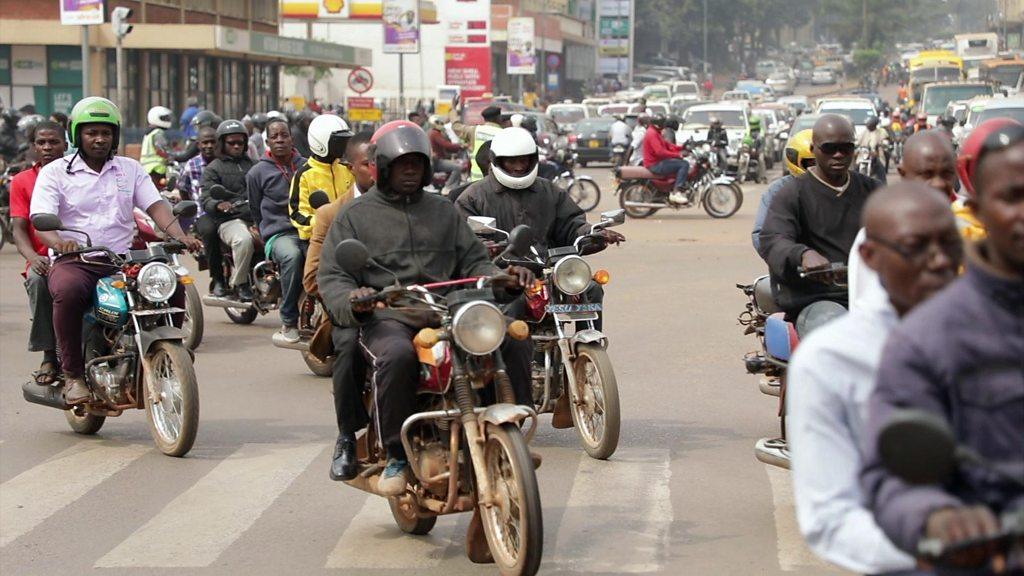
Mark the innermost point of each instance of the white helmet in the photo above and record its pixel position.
(276, 114)
(159, 116)
(323, 129)
(509, 143)
(436, 121)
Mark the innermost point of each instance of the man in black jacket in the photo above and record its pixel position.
(227, 223)
(421, 239)
(814, 219)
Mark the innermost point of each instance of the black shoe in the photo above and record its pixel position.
(244, 292)
(343, 463)
(219, 291)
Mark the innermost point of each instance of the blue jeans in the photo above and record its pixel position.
(289, 252)
(680, 167)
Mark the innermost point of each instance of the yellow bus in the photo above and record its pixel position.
(1005, 72)
(933, 66)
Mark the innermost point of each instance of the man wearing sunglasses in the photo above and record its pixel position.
(814, 219)
(960, 356)
(913, 245)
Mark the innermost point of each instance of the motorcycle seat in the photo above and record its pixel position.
(637, 173)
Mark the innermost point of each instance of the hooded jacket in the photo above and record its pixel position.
(335, 179)
(268, 185)
(421, 238)
(230, 173)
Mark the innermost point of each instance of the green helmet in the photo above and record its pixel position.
(755, 122)
(94, 110)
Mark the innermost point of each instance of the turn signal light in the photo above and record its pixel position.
(602, 277)
(426, 338)
(518, 330)
(187, 280)
(119, 284)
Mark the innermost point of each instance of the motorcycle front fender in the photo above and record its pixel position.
(159, 334)
(723, 179)
(498, 414)
(588, 336)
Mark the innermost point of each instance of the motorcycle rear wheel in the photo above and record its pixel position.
(514, 525)
(193, 324)
(586, 194)
(81, 422)
(595, 402)
(636, 193)
(722, 200)
(174, 419)
(409, 522)
(242, 315)
(311, 312)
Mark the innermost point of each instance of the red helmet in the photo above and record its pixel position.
(395, 139)
(967, 162)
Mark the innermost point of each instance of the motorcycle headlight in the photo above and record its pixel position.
(157, 282)
(572, 275)
(479, 328)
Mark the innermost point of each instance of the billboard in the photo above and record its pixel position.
(467, 53)
(328, 10)
(469, 68)
(401, 27)
(78, 12)
(521, 55)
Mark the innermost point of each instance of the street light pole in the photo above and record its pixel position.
(705, 39)
(85, 61)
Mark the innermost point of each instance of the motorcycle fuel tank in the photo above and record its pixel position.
(111, 305)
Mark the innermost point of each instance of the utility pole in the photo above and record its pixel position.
(401, 84)
(632, 39)
(85, 61)
(705, 39)
(119, 21)
(864, 22)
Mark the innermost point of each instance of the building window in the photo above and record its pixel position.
(201, 5)
(265, 10)
(233, 8)
(130, 106)
(163, 80)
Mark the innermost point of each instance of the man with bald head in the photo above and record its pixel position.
(814, 219)
(833, 372)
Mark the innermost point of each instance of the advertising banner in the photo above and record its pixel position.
(521, 55)
(362, 109)
(401, 27)
(469, 68)
(78, 12)
(348, 10)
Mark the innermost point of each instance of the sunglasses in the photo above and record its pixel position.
(234, 142)
(831, 148)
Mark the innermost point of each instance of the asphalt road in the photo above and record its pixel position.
(683, 494)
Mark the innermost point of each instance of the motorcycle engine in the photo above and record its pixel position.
(433, 461)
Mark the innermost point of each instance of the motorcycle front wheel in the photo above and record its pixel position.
(172, 398)
(408, 521)
(192, 326)
(513, 525)
(81, 422)
(595, 402)
(586, 194)
(636, 193)
(722, 200)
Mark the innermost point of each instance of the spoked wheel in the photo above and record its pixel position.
(408, 521)
(595, 402)
(5, 227)
(513, 524)
(242, 315)
(172, 398)
(82, 422)
(636, 193)
(192, 325)
(586, 194)
(722, 201)
(311, 314)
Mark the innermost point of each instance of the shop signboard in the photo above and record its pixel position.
(81, 12)
(521, 54)
(469, 68)
(65, 64)
(28, 65)
(401, 27)
(335, 10)
(362, 109)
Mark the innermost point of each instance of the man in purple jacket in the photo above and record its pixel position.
(960, 355)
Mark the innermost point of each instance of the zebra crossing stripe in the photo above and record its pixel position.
(196, 527)
(794, 554)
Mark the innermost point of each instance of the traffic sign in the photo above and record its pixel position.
(360, 80)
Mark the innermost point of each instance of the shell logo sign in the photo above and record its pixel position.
(332, 9)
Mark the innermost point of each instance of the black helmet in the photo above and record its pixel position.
(398, 138)
(530, 124)
(947, 121)
(672, 122)
(259, 120)
(658, 121)
(872, 122)
(715, 121)
(230, 126)
(205, 118)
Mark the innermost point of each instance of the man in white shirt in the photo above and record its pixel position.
(619, 132)
(913, 244)
(637, 144)
(874, 139)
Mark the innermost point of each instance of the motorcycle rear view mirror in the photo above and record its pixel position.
(483, 225)
(218, 192)
(318, 198)
(47, 222)
(614, 217)
(520, 240)
(185, 209)
(351, 255)
(918, 447)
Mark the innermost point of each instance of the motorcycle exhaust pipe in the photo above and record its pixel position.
(280, 342)
(52, 396)
(225, 303)
(631, 204)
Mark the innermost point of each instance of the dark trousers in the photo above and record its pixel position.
(41, 337)
(348, 379)
(677, 166)
(387, 346)
(207, 230)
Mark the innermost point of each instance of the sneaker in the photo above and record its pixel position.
(678, 197)
(76, 392)
(395, 477)
(244, 292)
(290, 334)
(219, 291)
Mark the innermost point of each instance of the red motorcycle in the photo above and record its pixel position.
(642, 193)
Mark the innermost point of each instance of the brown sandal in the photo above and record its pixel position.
(46, 376)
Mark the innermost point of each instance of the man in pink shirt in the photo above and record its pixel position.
(665, 158)
(94, 191)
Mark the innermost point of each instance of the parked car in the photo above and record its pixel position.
(823, 76)
(591, 140)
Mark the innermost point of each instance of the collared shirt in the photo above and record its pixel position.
(831, 379)
(192, 178)
(100, 204)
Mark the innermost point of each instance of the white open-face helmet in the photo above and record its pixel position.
(322, 130)
(509, 143)
(159, 116)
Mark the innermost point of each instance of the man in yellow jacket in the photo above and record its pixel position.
(328, 136)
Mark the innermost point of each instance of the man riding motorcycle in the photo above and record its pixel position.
(421, 238)
(93, 191)
(442, 149)
(328, 136)
(155, 147)
(718, 138)
(875, 139)
(754, 141)
(665, 158)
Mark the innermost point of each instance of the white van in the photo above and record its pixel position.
(685, 90)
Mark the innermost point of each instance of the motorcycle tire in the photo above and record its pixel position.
(586, 194)
(599, 445)
(409, 522)
(636, 193)
(310, 315)
(81, 422)
(5, 230)
(242, 315)
(716, 200)
(173, 436)
(193, 324)
(506, 454)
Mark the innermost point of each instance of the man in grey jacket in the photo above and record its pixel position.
(421, 239)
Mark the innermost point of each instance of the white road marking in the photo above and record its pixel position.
(630, 493)
(794, 554)
(197, 526)
(41, 491)
(373, 541)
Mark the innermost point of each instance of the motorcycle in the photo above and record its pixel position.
(571, 367)
(863, 160)
(619, 155)
(777, 339)
(642, 193)
(582, 189)
(135, 356)
(463, 456)
(750, 164)
(920, 448)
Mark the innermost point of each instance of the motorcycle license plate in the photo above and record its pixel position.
(594, 144)
(572, 308)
